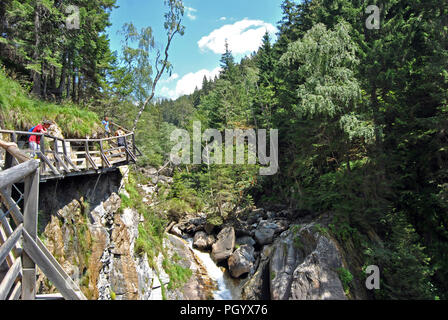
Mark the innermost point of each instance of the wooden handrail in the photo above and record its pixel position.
(8, 282)
(66, 140)
(98, 140)
(14, 150)
(10, 243)
(24, 133)
(17, 173)
(58, 162)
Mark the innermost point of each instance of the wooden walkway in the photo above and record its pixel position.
(20, 248)
(62, 158)
(21, 251)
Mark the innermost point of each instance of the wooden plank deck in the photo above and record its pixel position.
(61, 158)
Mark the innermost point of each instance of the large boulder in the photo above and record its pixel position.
(268, 229)
(255, 216)
(175, 230)
(209, 228)
(241, 261)
(203, 241)
(193, 225)
(224, 246)
(317, 277)
(304, 265)
(265, 233)
(245, 240)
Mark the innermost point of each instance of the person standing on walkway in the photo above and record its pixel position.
(34, 140)
(106, 125)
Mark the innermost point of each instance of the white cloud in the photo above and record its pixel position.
(243, 36)
(190, 13)
(173, 77)
(188, 83)
(167, 93)
(222, 19)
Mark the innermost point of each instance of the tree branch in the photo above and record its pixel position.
(159, 73)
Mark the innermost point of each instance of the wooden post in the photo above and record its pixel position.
(87, 154)
(104, 165)
(9, 161)
(30, 225)
(64, 147)
(56, 154)
(126, 148)
(133, 144)
(8, 157)
(42, 150)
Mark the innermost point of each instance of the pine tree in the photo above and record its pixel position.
(205, 85)
(227, 63)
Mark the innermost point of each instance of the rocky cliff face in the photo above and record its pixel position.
(304, 266)
(94, 242)
(96, 247)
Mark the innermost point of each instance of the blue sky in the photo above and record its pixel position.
(208, 23)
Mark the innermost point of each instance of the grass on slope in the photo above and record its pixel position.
(20, 111)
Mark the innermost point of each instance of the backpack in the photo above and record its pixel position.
(32, 129)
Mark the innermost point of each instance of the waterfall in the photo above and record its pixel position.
(228, 288)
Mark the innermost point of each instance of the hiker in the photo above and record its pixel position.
(106, 125)
(34, 141)
(121, 140)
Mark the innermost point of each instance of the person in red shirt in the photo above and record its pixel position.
(34, 141)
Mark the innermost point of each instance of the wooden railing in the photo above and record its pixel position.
(68, 157)
(21, 249)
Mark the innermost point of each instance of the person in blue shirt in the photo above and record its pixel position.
(106, 125)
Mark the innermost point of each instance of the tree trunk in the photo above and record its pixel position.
(36, 56)
(61, 87)
(79, 89)
(67, 95)
(74, 86)
(158, 76)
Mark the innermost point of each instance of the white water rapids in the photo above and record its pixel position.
(228, 288)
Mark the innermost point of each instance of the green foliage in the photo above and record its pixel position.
(63, 63)
(404, 264)
(215, 219)
(342, 230)
(19, 111)
(178, 274)
(320, 229)
(346, 278)
(113, 295)
(326, 60)
(295, 229)
(177, 208)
